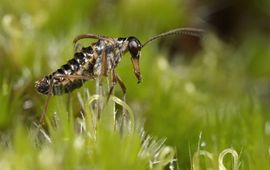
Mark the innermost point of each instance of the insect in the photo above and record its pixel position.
(100, 59)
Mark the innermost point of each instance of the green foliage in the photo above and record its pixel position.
(216, 104)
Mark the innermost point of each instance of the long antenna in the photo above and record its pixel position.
(196, 32)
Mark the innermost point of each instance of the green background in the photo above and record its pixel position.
(223, 93)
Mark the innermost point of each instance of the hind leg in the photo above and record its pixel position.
(51, 90)
(84, 36)
(77, 47)
(113, 83)
(124, 120)
(50, 93)
(122, 86)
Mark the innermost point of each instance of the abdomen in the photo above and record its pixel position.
(70, 76)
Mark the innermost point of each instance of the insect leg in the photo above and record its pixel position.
(122, 86)
(41, 120)
(74, 77)
(124, 119)
(104, 64)
(51, 92)
(84, 36)
(77, 47)
(114, 81)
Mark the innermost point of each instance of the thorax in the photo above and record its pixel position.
(108, 54)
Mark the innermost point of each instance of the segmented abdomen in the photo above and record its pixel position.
(70, 76)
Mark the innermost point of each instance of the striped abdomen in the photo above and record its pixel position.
(70, 76)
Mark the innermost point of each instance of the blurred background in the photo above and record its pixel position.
(217, 86)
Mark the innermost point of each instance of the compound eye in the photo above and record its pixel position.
(134, 48)
(133, 45)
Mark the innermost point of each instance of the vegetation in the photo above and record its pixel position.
(208, 112)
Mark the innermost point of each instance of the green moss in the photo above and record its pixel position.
(218, 100)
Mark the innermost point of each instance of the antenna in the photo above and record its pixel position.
(196, 32)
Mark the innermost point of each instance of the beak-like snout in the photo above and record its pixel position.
(136, 68)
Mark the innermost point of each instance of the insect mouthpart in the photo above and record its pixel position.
(43, 86)
(134, 47)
